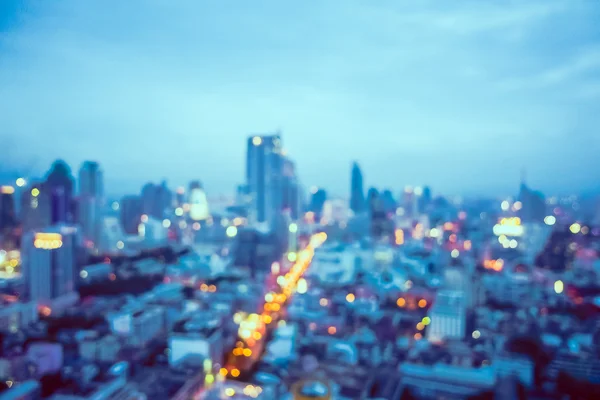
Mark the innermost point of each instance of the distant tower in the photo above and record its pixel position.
(264, 176)
(357, 194)
(198, 202)
(131, 209)
(59, 188)
(91, 199)
(8, 218)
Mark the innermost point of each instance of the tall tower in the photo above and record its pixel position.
(49, 264)
(91, 199)
(264, 170)
(59, 188)
(357, 194)
(8, 218)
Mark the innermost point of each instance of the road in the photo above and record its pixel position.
(254, 329)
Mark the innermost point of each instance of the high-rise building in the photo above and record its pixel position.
(425, 200)
(357, 195)
(291, 191)
(132, 208)
(8, 218)
(317, 202)
(264, 173)
(49, 264)
(156, 199)
(533, 207)
(35, 207)
(59, 187)
(448, 316)
(91, 193)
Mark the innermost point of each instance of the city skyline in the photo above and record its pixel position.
(177, 97)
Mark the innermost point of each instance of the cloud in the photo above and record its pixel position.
(157, 90)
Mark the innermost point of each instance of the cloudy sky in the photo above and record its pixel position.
(459, 95)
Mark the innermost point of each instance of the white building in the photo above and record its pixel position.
(138, 326)
(49, 266)
(448, 316)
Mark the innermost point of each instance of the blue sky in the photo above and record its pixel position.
(459, 95)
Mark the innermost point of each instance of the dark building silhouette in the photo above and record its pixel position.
(425, 200)
(131, 210)
(389, 203)
(357, 195)
(155, 199)
(59, 189)
(317, 201)
(533, 204)
(8, 218)
(381, 226)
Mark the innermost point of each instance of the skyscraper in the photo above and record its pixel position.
(290, 187)
(35, 207)
(264, 170)
(317, 201)
(156, 199)
(8, 219)
(131, 209)
(49, 264)
(59, 188)
(357, 194)
(91, 194)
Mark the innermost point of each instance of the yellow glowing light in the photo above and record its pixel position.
(420, 326)
(247, 352)
(223, 372)
(35, 192)
(269, 297)
(209, 379)
(230, 392)
(455, 253)
(166, 223)
(399, 236)
(179, 211)
(476, 334)
(21, 182)
(434, 233)
(332, 330)
(350, 298)
(267, 319)
(293, 228)
(238, 352)
(235, 372)
(505, 205)
(48, 241)
(212, 288)
(292, 256)
(550, 220)
(575, 228)
(323, 302)
(517, 206)
(401, 302)
(245, 333)
(275, 307)
(426, 321)
(231, 231)
(422, 303)
(559, 286)
(7, 189)
(257, 335)
(257, 140)
(204, 287)
(468, 245)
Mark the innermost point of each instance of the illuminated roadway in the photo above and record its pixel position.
(253, 328)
